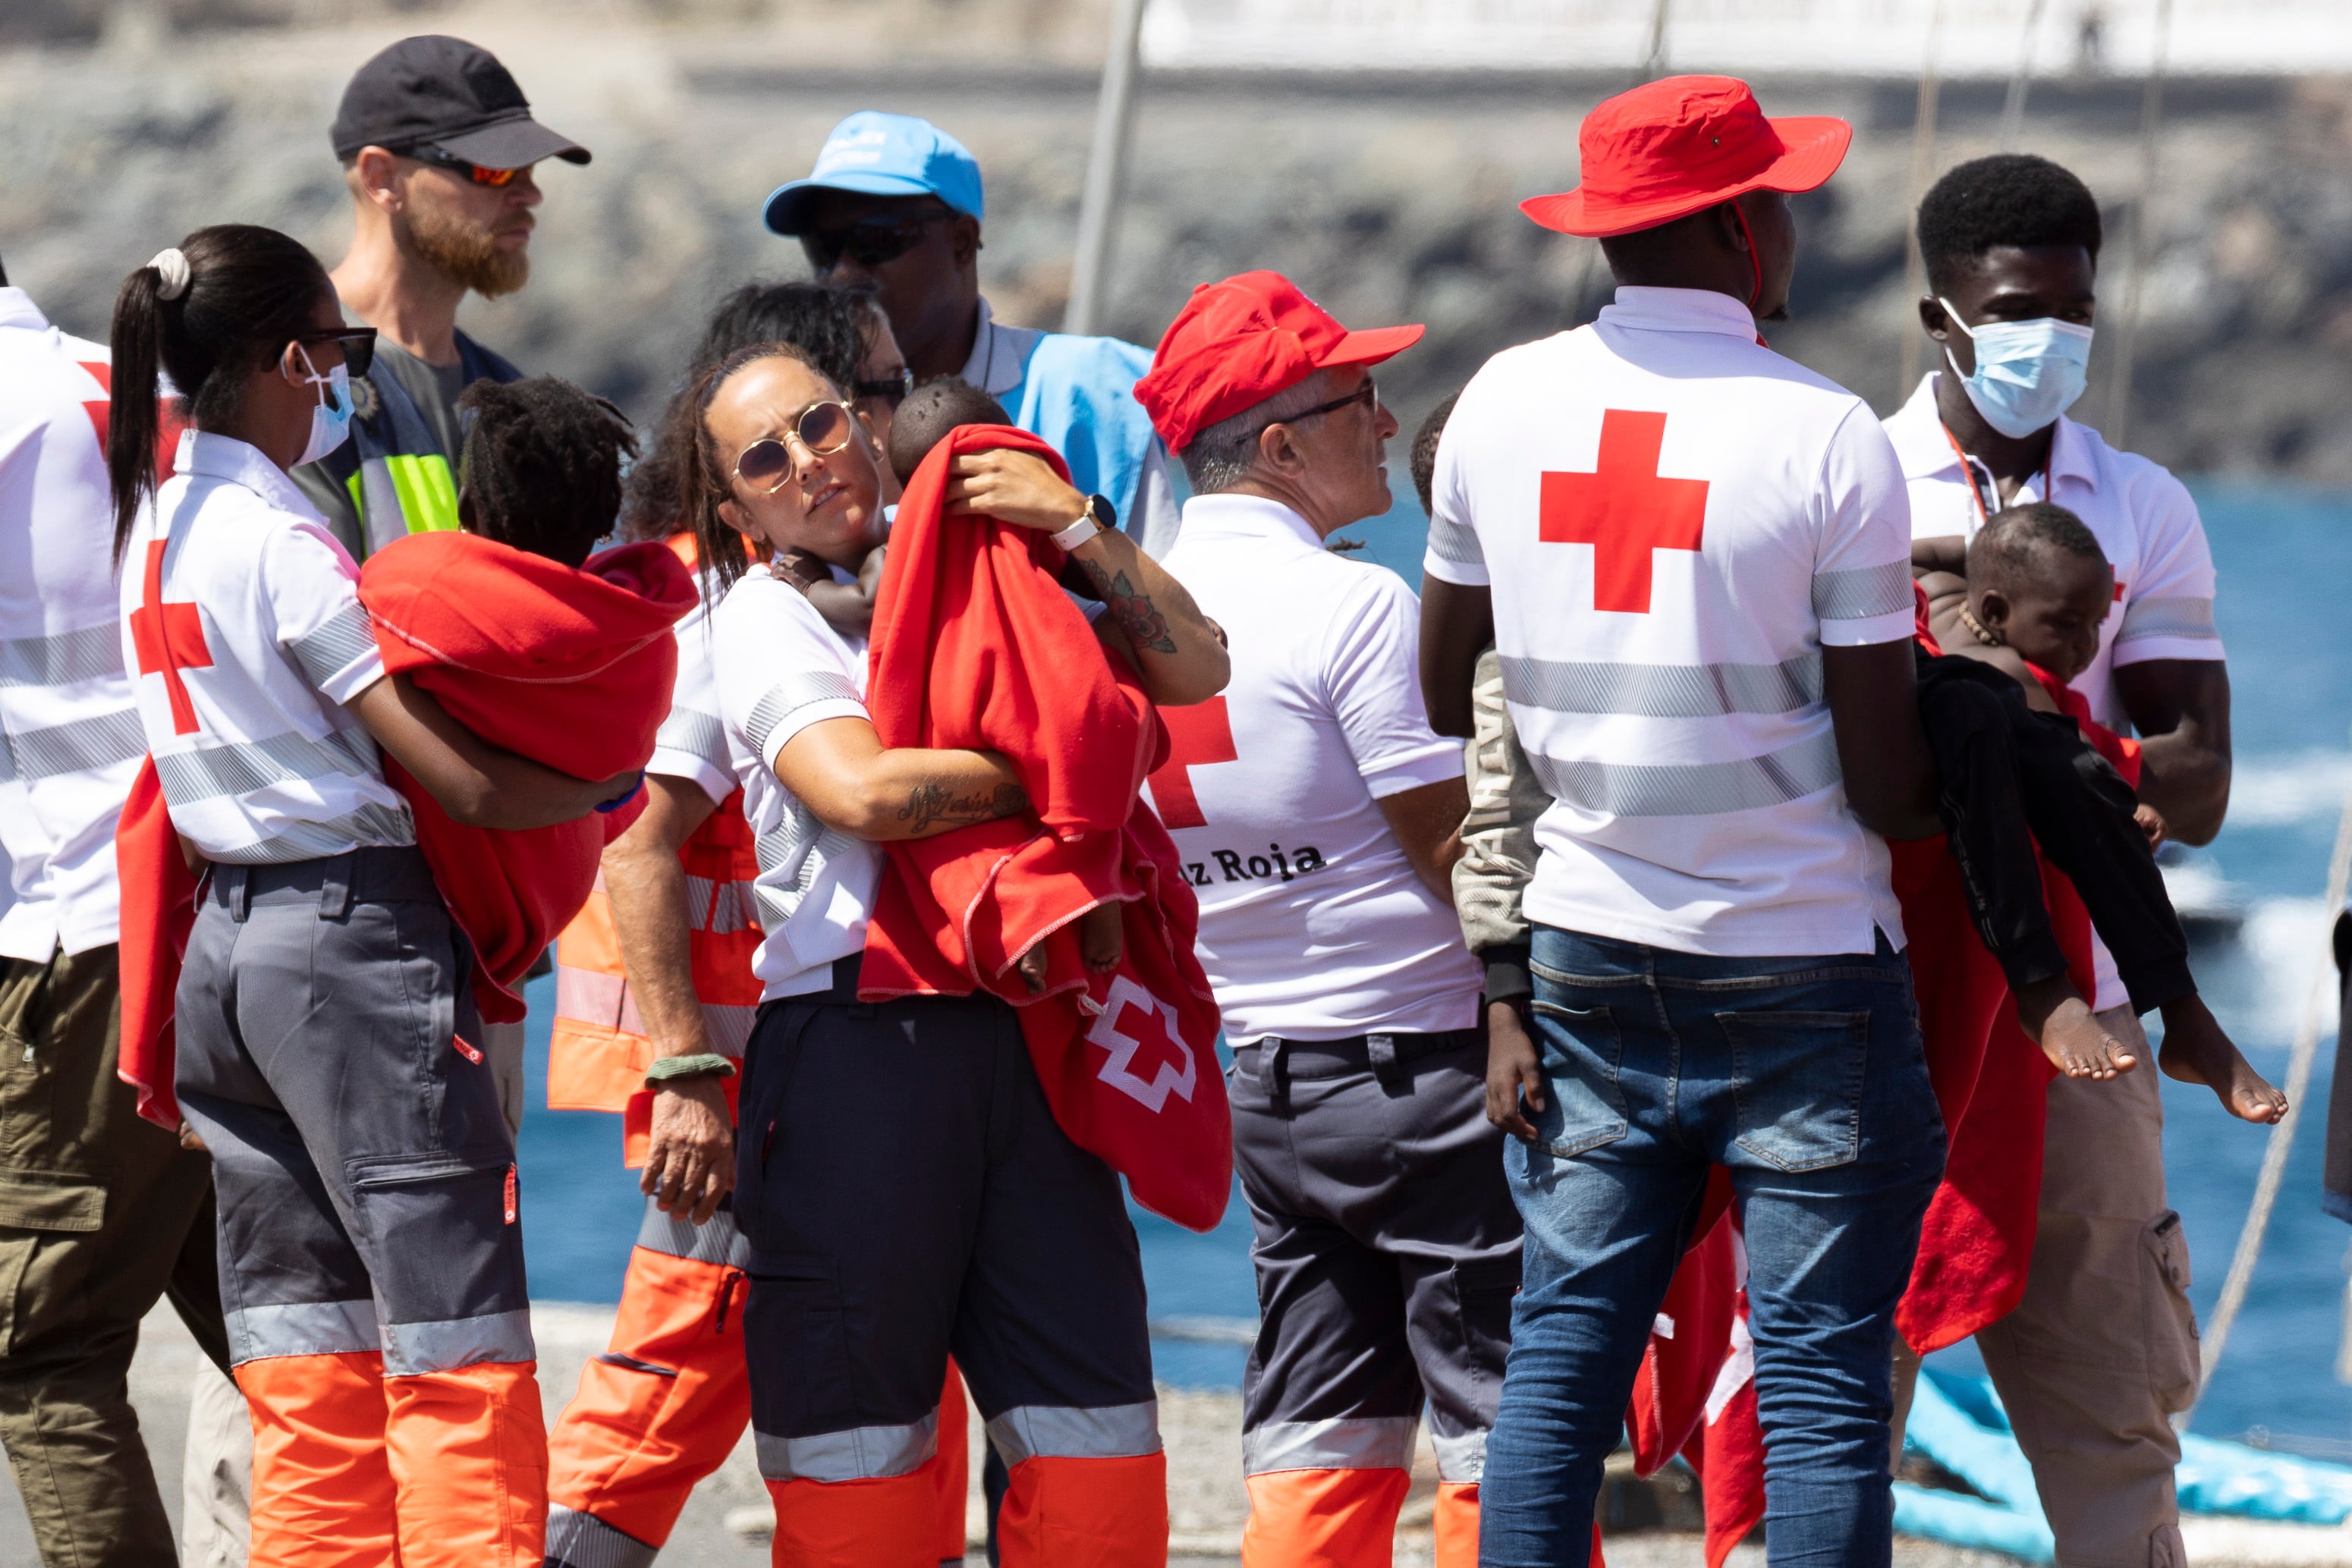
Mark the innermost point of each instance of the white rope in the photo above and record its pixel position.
(2151, 120)
(1923, 163)
(1652, 66)
(2298, 1082)
(2013, 109)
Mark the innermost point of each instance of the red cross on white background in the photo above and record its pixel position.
(1197, 735)
(1624, 509)
(169, 638)
(1149, 1060)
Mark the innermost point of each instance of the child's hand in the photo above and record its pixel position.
(2151, 822)
(802, 570)
(869, 575)
(1102, 938)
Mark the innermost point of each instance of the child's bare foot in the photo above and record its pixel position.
(2057, 1018)
(1101, 936)
(2196, 1050)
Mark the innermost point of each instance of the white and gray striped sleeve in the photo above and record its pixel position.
(778, 668)
(1862, 564)
(313, 590)
(2168, 612)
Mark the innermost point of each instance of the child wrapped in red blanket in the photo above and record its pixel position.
(521, 637)
(1079, 915)
(2023, 624)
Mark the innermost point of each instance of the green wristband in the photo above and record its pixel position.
(672, 1068)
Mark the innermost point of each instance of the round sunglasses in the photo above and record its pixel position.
(824, 428)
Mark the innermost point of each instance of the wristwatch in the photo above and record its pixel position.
(1099, 517)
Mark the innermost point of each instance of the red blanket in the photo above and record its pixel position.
(570, 667)
(1695, 1392)
(975, 644)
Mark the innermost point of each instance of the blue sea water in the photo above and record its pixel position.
(2285, 563)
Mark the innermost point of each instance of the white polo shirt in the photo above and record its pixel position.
(692, 743)
(69, 736)
(242, 629)
(1675, 522)
(1313, 923)
(780, 669)
(2145, 522)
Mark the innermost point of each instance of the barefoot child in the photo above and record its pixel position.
(2037, 587)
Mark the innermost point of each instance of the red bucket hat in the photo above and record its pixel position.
(1237, 343)
(1678, 146)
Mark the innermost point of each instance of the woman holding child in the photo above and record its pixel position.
(371, 1268)
(903, 1185)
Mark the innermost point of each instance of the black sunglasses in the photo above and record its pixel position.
(824, 428)
(480, 174)
(358, 344)
(891, 387)
(869, 242)
(1368, 392)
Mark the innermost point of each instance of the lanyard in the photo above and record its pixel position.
(1969, 465)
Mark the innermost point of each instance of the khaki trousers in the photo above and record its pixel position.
(2103, 1350)
(101, 1213)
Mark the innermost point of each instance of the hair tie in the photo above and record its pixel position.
(170, 266)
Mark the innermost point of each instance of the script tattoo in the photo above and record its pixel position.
(1136, 614)
(929, 805)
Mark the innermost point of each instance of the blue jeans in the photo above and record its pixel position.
(1804, 1076)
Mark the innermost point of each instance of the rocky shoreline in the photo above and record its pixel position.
(1391, 196)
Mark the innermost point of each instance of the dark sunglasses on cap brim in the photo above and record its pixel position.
(869, 242)
(824, 428)
(480, 174)
(358, 344)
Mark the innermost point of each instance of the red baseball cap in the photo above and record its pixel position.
(1678, 146)
(1237, 343)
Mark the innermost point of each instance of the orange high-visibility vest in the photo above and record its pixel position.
(598, 1057)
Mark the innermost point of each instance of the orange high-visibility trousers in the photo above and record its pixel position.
(1063, 1512)
(1323, 1519)
(1347, 1518)
(323, 1490)
(340, 1452)
(664, 1406)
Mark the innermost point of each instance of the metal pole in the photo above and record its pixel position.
(2151, 120)
(1653, 61)
(2013, 109)
(1106, 168)
(1923, 162)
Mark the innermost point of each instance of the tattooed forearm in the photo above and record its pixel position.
(929, 805)
(1132, 609)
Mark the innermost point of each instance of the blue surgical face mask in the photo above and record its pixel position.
(2028, 373)
(331, 421)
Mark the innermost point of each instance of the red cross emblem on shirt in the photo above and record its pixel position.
(1197, 734)
(1624, 509)
(1148, 1059)
(169, 638)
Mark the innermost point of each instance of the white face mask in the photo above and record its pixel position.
(2028, 373)
(330, 423)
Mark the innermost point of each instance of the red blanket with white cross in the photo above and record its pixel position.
(976, 645)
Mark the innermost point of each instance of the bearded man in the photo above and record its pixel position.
(437, 145)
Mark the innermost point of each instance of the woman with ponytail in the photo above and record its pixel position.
(371, 1267)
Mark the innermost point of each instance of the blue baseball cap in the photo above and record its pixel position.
(882, 154)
